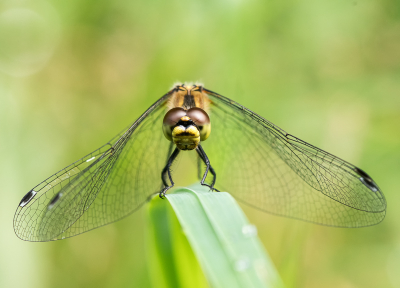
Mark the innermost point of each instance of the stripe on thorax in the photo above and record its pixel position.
(188, 102)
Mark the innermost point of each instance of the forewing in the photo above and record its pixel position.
(103, 187)
(263, 166)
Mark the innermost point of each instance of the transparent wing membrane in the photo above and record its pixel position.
(256, 161)
(100, 188)
(263, 166)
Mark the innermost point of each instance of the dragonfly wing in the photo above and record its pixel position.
(103, 187)
(263, 166)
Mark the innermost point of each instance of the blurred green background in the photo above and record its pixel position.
(74, 73)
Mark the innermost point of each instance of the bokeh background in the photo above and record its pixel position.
(74, 73)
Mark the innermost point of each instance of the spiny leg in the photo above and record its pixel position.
(206, 161)
(199, 162)
(167, 169)
(204, 158)
(164, 171)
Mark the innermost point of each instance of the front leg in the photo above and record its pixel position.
(167, 170)
(203, 156)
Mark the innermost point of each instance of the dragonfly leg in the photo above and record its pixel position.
(164, 172)
(199, 163)
(167, 170)
(203, 156)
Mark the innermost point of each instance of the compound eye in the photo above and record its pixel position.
(202, 121)
(170, 119)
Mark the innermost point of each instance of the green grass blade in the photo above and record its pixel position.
(224, 243)
(171, 260)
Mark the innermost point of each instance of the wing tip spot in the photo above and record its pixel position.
(27, 198)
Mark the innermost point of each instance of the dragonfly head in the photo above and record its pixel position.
(186, 128)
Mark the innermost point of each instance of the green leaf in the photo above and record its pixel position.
(212, 235)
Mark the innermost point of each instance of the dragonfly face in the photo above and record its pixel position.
(259, 163)
(188, 123)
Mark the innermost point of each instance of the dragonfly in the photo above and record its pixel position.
(256, 161)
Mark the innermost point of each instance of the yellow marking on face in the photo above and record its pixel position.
(193, 131)
(185, 118)
(178, 130)
(186, 139)
(181, 132)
